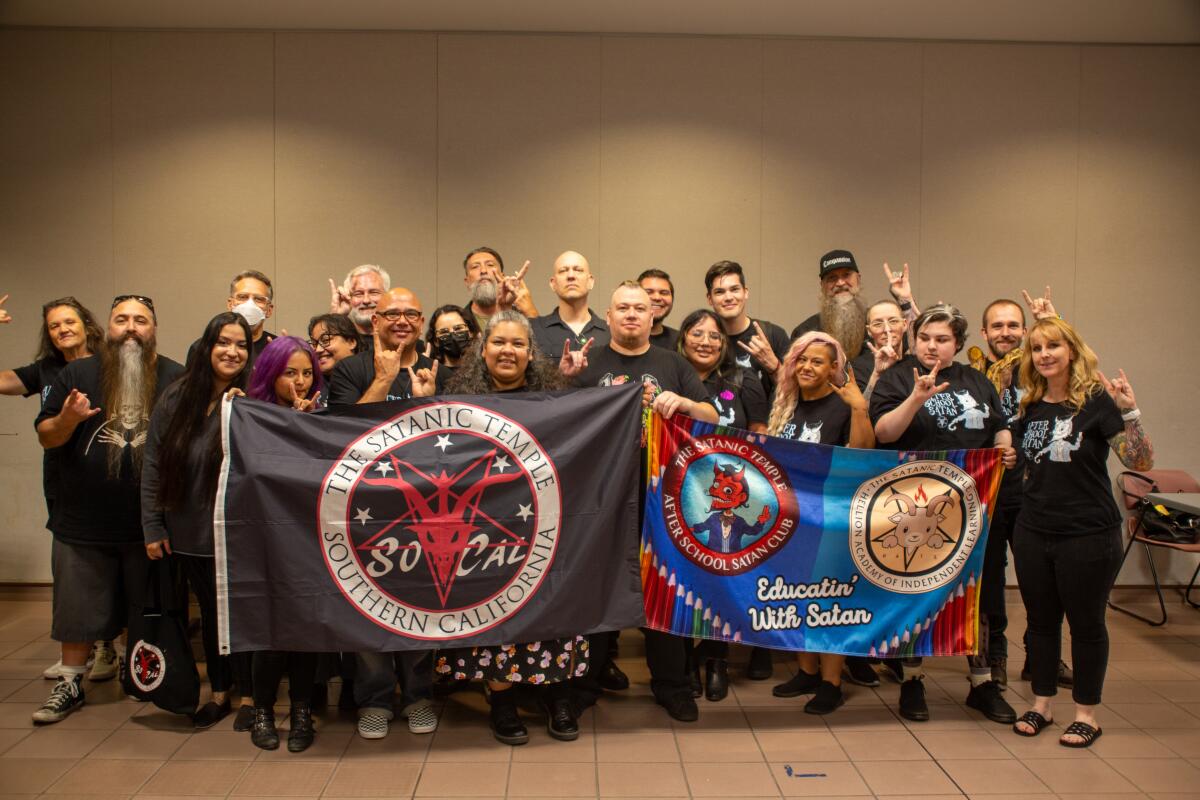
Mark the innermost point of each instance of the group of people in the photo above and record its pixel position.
(133, 449)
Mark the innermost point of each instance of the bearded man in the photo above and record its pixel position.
(97, 557)
(843, 314)
(491, 290)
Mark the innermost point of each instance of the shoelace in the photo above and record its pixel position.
(61, 696)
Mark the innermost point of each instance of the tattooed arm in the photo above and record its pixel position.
(1131, 445)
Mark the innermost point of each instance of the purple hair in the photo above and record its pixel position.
(271, 363)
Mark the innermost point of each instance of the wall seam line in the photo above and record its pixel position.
(112, 159)
(1078, 162)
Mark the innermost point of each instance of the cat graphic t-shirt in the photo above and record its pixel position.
(1066, 489)
(965, 415)
(822, 421)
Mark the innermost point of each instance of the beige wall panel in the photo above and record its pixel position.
(55, 239)
(999, 174)
(681, 165)
(518, 154)
(1139, 235)
(356, 127)
(193, 171)
(841, 166)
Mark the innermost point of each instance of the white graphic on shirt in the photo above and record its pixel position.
(811, 433)
(743, 360)
(725, 416)
(1060, 446)
(126, 429)
(948, 409)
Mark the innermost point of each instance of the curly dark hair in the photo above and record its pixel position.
(91, 331)
(472, 376)
(435, 349)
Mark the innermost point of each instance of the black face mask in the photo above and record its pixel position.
(454, 344)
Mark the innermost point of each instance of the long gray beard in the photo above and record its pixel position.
(484, 294)
(844, 317)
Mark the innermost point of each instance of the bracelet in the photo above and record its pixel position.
(1131, 415)
(906, 306)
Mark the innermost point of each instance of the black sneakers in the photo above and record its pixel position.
(912, 700)
(827, 699)
(859, 671)
(801, 683)
(987, 700)
(680, 706)
(65, 697)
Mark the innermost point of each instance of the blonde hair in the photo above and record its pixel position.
(787, 393)
(1084, 379)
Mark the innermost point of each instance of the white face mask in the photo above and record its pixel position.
(250, 312)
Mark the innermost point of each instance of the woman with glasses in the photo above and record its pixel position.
(507, 360)
(451, 333)
(886, 344)
(741, 402)
(332, 337)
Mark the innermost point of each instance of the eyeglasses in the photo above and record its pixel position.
(448, 331)
(141, 298)
(323, 340)
(394, 314)
(257, 299)
(697, 335)
(890, 322)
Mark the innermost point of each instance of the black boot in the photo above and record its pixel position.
(506, 725)
(697, 684)
(301, 734)
(561, 722)
(263, 732)
(716, 679)
(612, 678)
(760, 666)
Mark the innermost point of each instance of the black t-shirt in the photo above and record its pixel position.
(1066, 490)
(863, 365)
(776, 337)
(667, 340)
(549, 331)
(823, 421)
(667, 371)
(352, 376)
(813, 323)
(965, 415)
(90, 507)
(740, 399)
(37, 378)
(1010, 406)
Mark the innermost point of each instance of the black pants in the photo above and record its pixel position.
(201, 576)
(668, 657)
(1069, 575)
(991, 594)
(268, 669)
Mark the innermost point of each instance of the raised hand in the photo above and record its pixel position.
(760, 350)
(1119, 390)
(898, 283)
(387, 362)
(926, 386)
(764, 515)
(299, 403)
(77, 408)
(851, 395)
(424, 381)
(573, 362)
(1040, 307)
(5, 317)
(339, 301)
(512, 287)
(885, 355)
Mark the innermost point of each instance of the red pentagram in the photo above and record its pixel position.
(444, 520)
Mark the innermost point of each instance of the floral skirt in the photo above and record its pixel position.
(550, 661)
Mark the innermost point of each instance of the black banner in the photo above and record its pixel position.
(442, 522)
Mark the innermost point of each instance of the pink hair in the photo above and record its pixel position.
(787, 393)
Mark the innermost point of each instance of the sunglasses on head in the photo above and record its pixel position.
(141, 298)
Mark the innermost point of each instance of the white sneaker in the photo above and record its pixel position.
(107, 663)
(373, 723)
(66, 696)
(54, 671)
(421, 717)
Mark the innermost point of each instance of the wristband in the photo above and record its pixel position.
(1131, 415)
(906, 306)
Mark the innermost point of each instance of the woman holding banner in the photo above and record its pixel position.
(1067, 539)
(179, 477)
(816, 401)
(287, 374)
(926, 401)
(506, 359)
(741, 402)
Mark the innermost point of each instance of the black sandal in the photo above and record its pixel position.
(1082, 730)
(1034, 720)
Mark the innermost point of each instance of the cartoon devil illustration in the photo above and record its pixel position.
(724, 531)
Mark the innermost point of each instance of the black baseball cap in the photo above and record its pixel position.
(837, 259)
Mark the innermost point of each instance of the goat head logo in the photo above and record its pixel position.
(916, 526)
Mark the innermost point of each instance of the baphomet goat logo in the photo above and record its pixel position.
(147, 667)
(913, 528)
(441, 522)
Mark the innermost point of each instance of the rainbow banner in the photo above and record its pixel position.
(798, 546)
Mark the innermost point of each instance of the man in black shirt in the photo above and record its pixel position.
(572, 321)
(758, 344)
(96, 414)
(662, 299)
(670, 386)
(386, 371)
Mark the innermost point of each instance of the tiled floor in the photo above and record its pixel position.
(750, 745)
